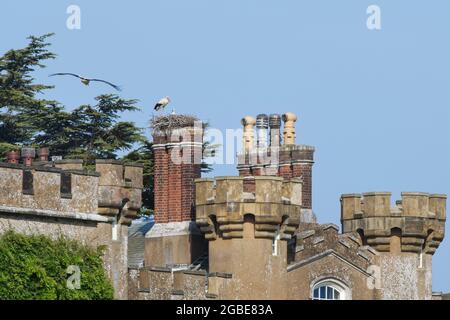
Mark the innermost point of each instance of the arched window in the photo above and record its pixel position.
(329, 289)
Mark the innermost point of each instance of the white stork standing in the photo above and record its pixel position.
(162, 103)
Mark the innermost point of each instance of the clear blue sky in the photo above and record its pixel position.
(374, 103)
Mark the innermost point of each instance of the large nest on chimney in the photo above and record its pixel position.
(170, 122)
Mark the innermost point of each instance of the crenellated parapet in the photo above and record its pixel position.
(416, 223)
(65, 188)
(222, 207)
(42, 188)
(119, 189)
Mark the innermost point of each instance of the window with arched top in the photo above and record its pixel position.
(329, 289)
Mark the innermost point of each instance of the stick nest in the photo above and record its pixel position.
(170, 122)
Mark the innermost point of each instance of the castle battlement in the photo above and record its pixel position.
(418, 219)
(64, 187)
(222, 205)
(48, 188)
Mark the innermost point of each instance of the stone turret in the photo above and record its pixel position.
(419, 216)
(406, 235)
(249, 231)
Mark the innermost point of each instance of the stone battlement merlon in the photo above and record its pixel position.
(275, 205)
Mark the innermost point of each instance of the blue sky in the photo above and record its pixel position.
(375, 104)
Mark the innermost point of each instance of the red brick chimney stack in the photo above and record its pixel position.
(178, 155)
(175, 239)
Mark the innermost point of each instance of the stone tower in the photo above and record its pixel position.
(248, 233)
(406, 236)
(175, 239)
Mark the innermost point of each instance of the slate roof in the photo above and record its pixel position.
(136, 240)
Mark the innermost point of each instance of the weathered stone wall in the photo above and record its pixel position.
(45, 191)
(171, 284)
(173, 243)
(133, 283)
(405, 277)
(256, 272)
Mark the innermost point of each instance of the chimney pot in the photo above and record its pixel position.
(43, 154)
(28, 155)
(275, 124)
(248, 122)
(262, 126)
(289, 119)
(13, 157)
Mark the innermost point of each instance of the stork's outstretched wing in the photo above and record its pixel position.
(65, 74)
(111, 84)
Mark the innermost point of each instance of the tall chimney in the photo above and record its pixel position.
(175, 238)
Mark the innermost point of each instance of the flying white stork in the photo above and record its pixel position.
(84, 80)
(162, 103)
